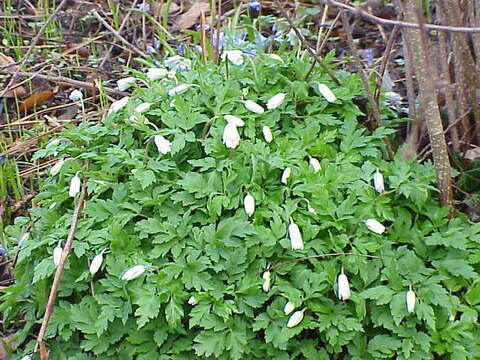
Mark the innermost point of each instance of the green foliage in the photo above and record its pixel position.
(181, 215)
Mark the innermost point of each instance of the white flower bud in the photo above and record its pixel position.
(326, 92)
(156, 73)
(378, 183)
(267, 134)
(285, 175)
(234, 56)
(163, 145)
(75, 185)
(375, 226)
(55, 169)
(249, 204)
(57, 255)
(142, 107)
(180, 89)
(192, 301)
(232, 119)
(295, 236)
(315, 164)
(266, 281)
(24, 238)
(289, 307)
(275, 101)
(125, 83)
(96, 263)
(133, 273)
(231, 137)
(410, 300)
(27, 357)
(253, 107)
(118, 105)
(295, 319)
(343, 287)
(76, 95)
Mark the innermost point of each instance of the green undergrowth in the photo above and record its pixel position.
(181, 215)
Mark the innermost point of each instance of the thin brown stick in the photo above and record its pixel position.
(360, 12)
(117, 35)
(319, 256)
(306, 45)
(32, 46)
(59, 272)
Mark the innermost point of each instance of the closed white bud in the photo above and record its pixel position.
(192, 301)
(118, 105)
(234, 56)
(266, 281)
(133, 273)
(289, 307)
(378, 182)
(285, 175)
(295, 319)
(75, 185)
(253, 107)
(295, 236)
(267, 134)
(142, 107)
(76, 95)
(163, 145)
(156, 73)
(55, 169)
(125, 83)
(315, 164)
(375, 226)
(275, 101)
(180, 89)
(249, 204)
(23, 239)
(57, 255)
(96, 263)
(232, 119)
(411, 298)
(326, 92)
(27, 357)
(343, 287)
(231, 137)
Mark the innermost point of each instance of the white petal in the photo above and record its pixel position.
(295, 236)
(275, 101)
(163, 145)
(57, 255)
(126, 83)
(180, 89)
(142, 107)
(156, 73)
(315, 164)
(378, 182)
(343, 287)
(117, 105)
(289, 307)
(56, 168)
(75, 185)
(285, 175)
(96, 263)
(249, 204)
(326, 92)
(266, 281)
(192, 301)
(234, 56)
(253, 107)
(76, 95)
(295, 319)
(231, 137)
(134, 272)
(375, 226)
(411, 298)
(232, 119)
(267, 134)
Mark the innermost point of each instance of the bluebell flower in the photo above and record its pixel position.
(178, 63)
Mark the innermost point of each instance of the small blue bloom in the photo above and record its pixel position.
(178, 63)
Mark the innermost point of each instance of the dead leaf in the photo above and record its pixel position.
(35, 100)
(191, 17)
(82, 51)
(19, 91)
(5, 60)
(472, 154)
(157, 7)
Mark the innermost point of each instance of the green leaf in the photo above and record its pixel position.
(382, 294)
(145, 177)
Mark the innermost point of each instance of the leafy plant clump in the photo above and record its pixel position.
(214, 252)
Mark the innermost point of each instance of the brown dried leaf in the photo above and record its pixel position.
(191, 17)
(36, 99)
(472, 154)
(83, 51)
(19, 91)
(5, 60)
